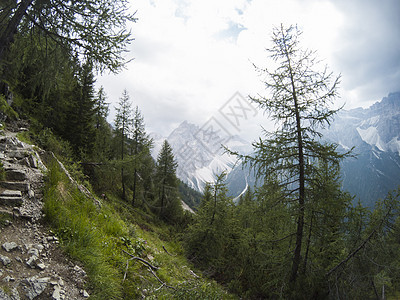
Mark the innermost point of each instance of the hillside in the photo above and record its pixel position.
(106, 251)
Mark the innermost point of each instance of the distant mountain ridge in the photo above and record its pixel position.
(374, 133)
(199, 154)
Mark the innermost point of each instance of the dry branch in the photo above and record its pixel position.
(167, 251)
(141, 260)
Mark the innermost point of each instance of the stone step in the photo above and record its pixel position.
(11, 198)
(18, 154)
(15, 175)
(15, 185)
(11, 201)
(11, 193)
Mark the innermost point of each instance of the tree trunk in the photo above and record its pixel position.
(7, 36)
(134, 187)
(122, 158)
(301, 200)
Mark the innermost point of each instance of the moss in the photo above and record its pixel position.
(4, 219)
(7, 109)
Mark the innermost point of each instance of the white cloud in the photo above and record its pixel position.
(191, 56)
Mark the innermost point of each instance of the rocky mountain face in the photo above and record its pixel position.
(375, 135)
(32, 266)
(373, 132)
(199, 154)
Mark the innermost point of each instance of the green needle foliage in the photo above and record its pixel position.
(95, 30)
(298, 103)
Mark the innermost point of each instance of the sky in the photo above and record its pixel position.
(192, 59)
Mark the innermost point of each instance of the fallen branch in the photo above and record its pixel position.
(194, 274)
(167, 251)
(162, 282)
(126, 269)
(141, 260)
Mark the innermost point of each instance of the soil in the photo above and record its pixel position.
(32, 263)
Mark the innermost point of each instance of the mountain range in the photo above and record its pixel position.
(373, 133)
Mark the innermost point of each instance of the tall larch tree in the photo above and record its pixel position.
(299, 98)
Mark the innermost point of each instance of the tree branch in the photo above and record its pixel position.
(141, 260)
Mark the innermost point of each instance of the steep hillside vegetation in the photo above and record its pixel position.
(124, 252)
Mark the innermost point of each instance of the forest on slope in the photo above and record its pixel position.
(297, 236)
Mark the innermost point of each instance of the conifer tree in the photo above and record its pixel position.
(140, 147)
(298, 101)
(102, 144)
(80, 130)
(91, 29)
(101, 107)
(208, 237)
(123, 124)
(167, 184)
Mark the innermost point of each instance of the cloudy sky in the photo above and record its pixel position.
(192, 56)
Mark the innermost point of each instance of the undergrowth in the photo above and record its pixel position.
(101, 236)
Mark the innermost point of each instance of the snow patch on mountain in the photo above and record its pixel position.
(371, 136)
(200, 154)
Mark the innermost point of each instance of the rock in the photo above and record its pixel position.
(15, 175)
(57, 293)
(34, 286)
(6, 296)
(61, 282)
(33, 162)
(5, 260)
(80, 271)
(41, 266)
(84, 293)
(31, 261)
(11, 193)
(11, 201)
(8, 278)
(33, 252)
(9, 246)
(16, 185)
(18, 154)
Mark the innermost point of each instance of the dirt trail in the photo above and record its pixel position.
(32, 265)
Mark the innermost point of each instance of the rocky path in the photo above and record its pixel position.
(32, 266)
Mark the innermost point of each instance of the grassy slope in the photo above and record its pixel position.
(97, 236)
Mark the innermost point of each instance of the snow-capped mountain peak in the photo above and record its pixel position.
(200, 154)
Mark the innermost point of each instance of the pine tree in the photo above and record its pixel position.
(101, 107)
(123, 123)
(103, 135)
(140, 147)
(208, 239)
(167, 184)
(80, 130)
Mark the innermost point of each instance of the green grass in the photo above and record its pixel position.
(5, 218)
(97, 236)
